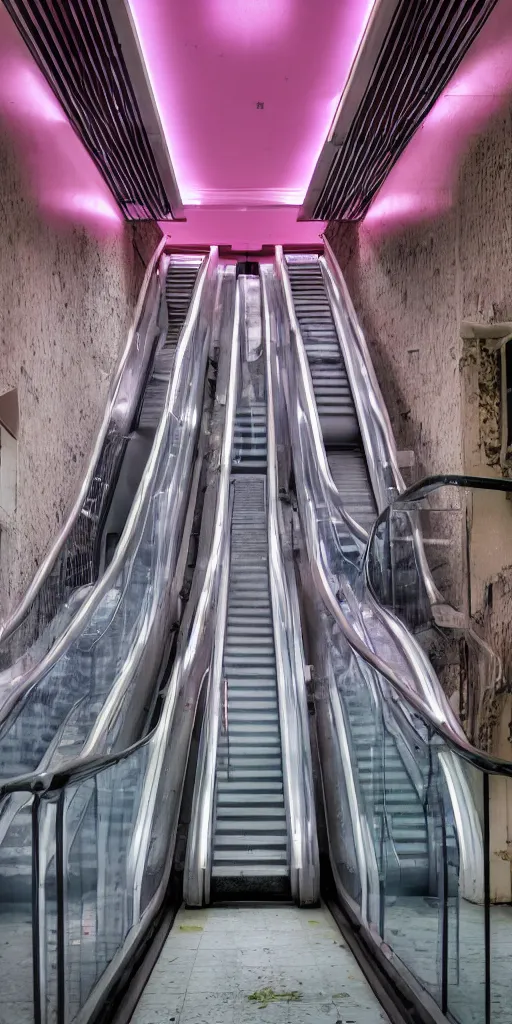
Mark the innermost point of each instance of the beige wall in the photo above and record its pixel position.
(66, 300)
(412, 285)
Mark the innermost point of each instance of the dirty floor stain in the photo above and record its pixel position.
(255, 965)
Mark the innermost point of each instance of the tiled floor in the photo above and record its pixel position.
(272, 965)
(207, 975)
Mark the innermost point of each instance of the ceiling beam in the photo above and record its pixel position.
(128, 38)
(358, 81)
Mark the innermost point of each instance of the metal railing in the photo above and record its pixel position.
(163, 488)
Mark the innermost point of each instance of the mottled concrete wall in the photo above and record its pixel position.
(67, 296)
(412, 285)
(404, 290)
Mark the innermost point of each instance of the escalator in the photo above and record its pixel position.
(246, 806)
(180, 280)
(218, 803)
(74, 560)
(416, 861)
(402, 792)
(96, 690)
(331, 387)
(70, 683)
(249, 838)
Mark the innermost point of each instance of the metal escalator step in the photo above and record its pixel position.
(238, 605)
(239, 721)
(253, 812)
(250, 837)
(254, 732)
(253, 652)
(237, 692)
(264, 674)
(235, 631)
(179, 286)
(248, 707)
(235, 775)
(259, 870)
(232, 830)
(249, 855)
(241, 759)
(255, 787)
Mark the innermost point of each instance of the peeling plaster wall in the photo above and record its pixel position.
(412, 285)
(67, 295)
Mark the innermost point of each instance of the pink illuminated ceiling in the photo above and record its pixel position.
(62, 178)
(423, 183)
(247, 90)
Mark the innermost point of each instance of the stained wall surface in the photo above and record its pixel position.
(67, 296)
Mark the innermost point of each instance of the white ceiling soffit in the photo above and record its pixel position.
(357, 84)
(126, 31)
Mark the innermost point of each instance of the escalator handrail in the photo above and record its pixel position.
(176, 504)
(428, 484)
(444, 730)
(419, 667)
(425, 691)
(116, 410)
(25, 681)
(380, 449)
(293, 712)
(203, 613)
(377, 437)
(440, 723)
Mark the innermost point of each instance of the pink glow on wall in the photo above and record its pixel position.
(90, 205)
(64, 181)
(250, 22)
(423, 182)
(247, 89)
(25, 91)
(407, 207)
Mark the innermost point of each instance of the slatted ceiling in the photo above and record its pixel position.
(75, 45)
(179, 288)
(424, 46)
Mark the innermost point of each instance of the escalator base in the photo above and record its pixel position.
(269, 887)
